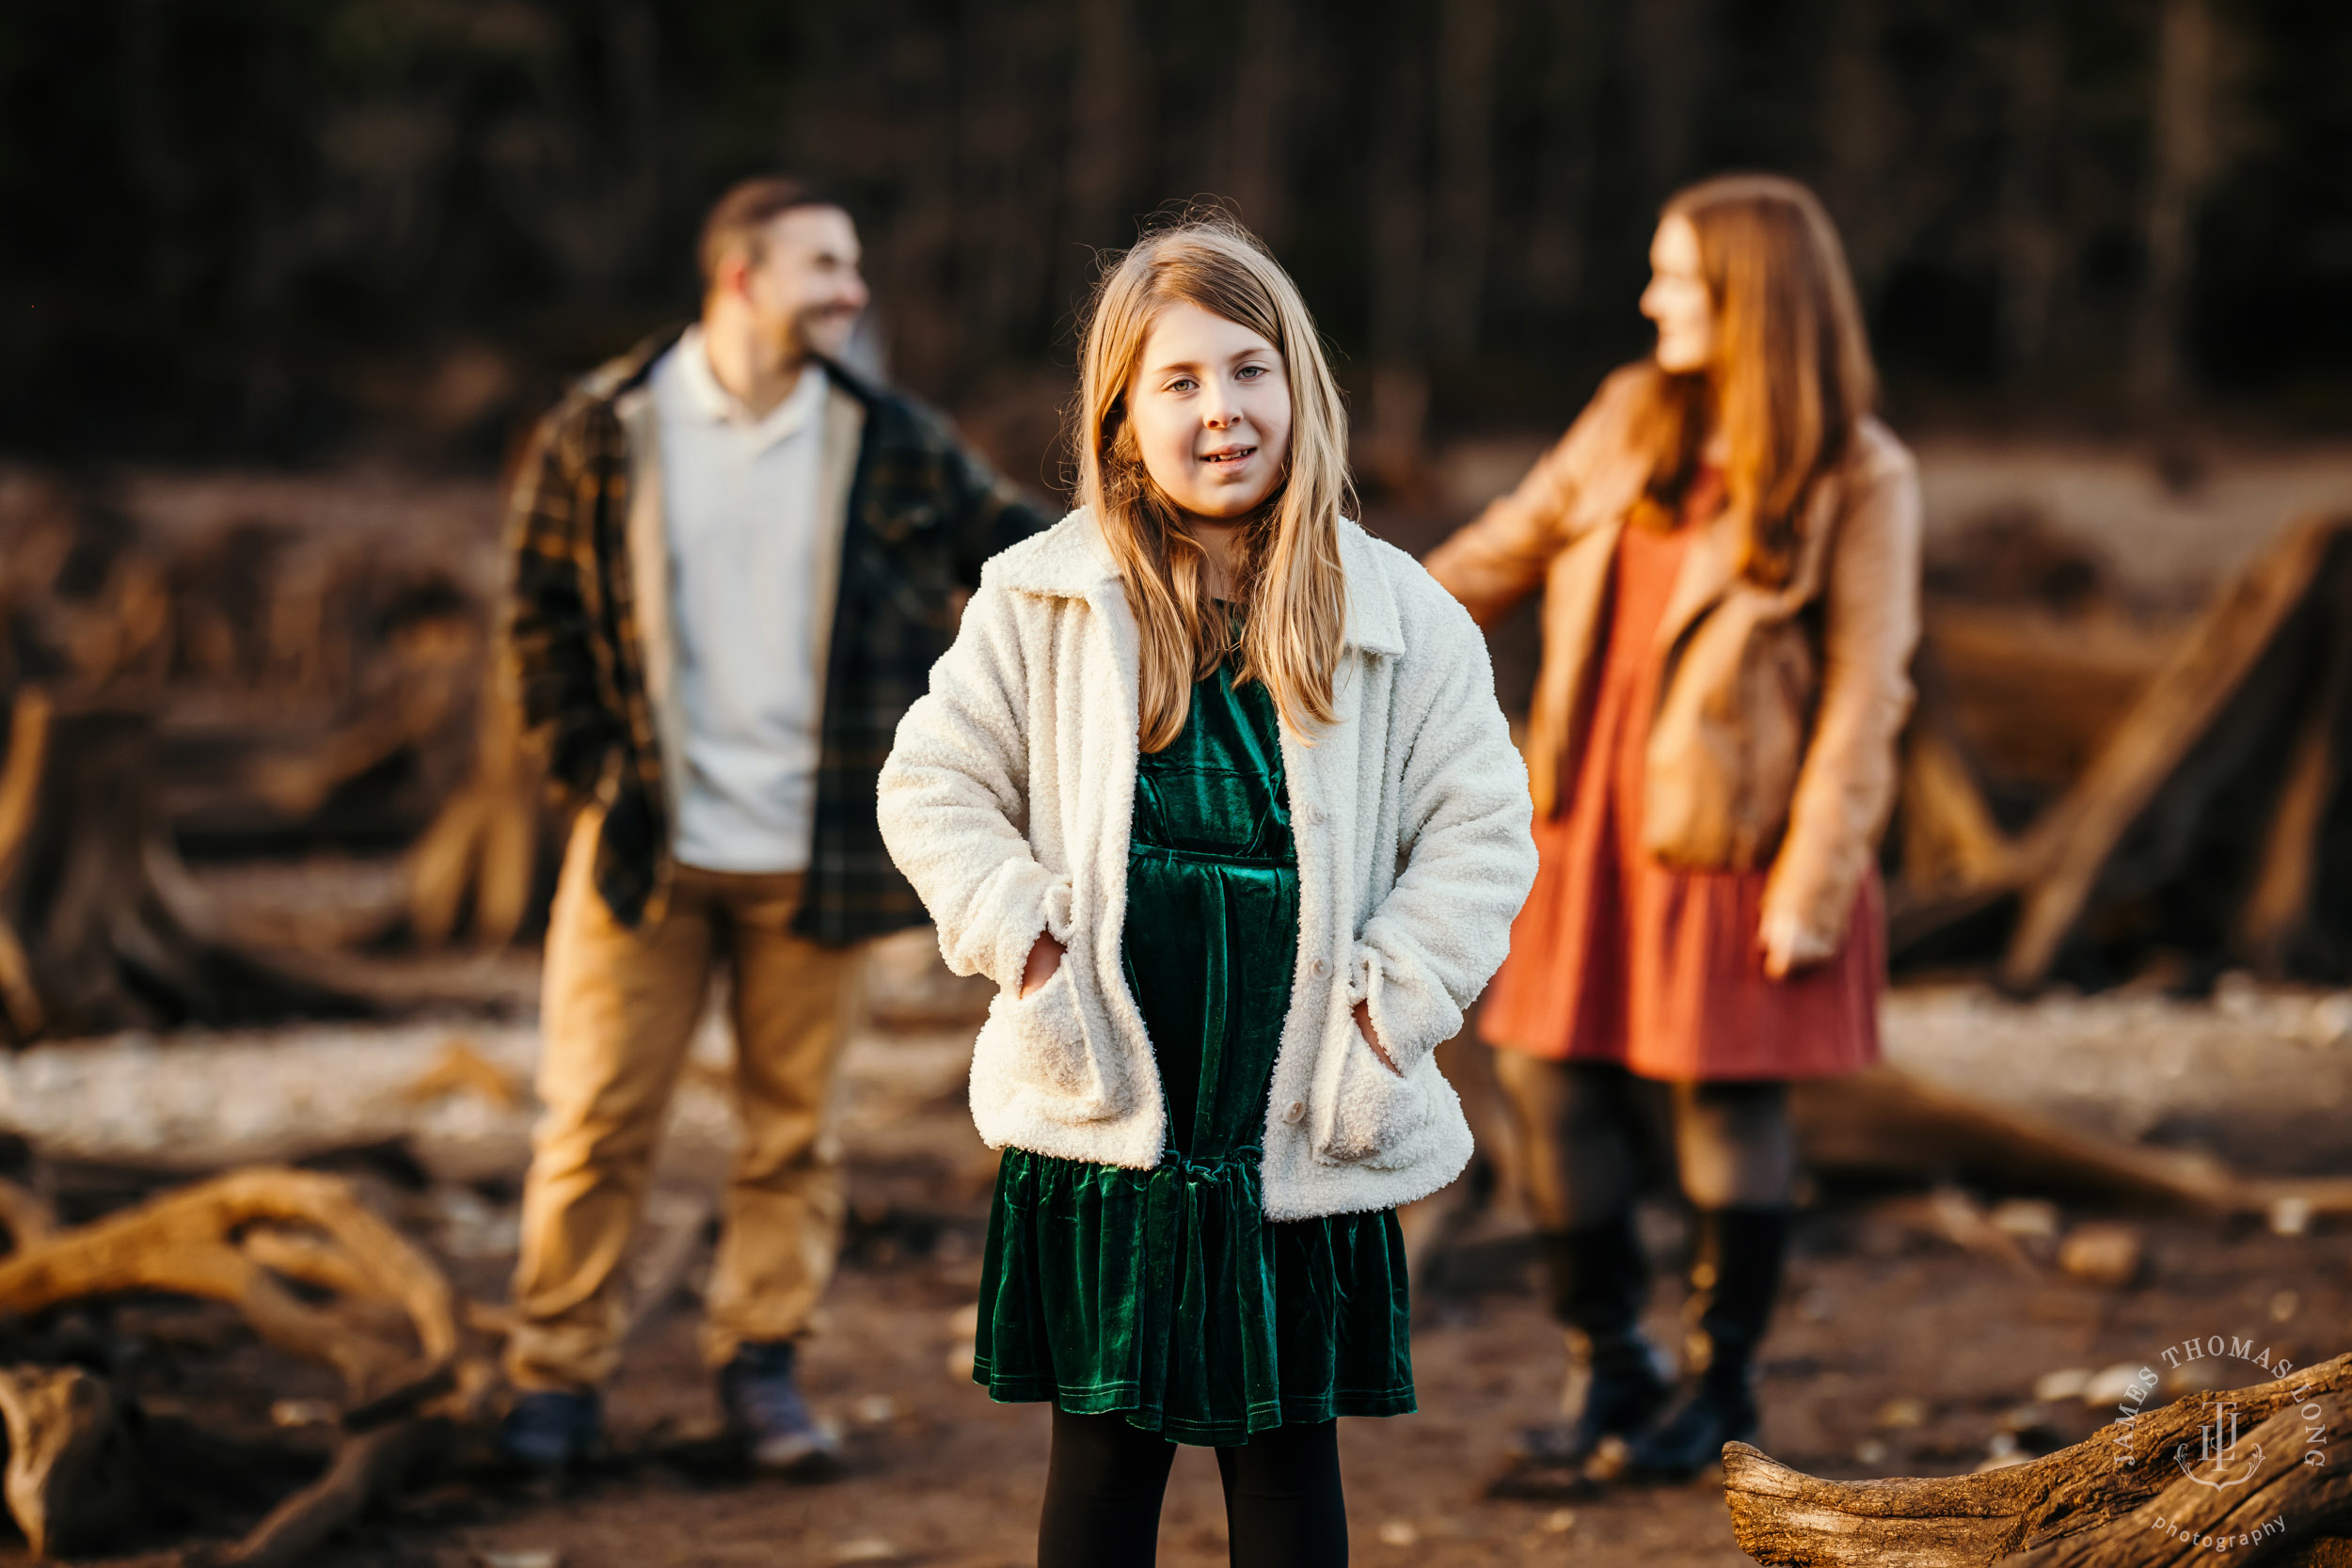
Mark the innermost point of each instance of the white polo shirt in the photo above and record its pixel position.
(740, 503)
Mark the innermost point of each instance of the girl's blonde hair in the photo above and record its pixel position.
(1289, 576)
(1792, 377)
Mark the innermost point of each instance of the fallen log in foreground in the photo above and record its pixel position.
(79, 1467)
(2143, 1493)
(1885, 1120)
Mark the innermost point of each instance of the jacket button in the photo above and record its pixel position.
(1321, 967)
(1297, 1112)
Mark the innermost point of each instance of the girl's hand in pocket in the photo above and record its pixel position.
(1044, 958)
(1372, 1038)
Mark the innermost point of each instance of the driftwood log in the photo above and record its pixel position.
(2138, 1495)
(202, 1241)
(74, 1478)
(481, 853)
(2226, 773)
(101, 926)
(1885, 1120)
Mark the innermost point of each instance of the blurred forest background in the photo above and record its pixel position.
(292, 231)
(287, 281)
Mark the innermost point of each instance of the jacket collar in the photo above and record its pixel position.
(627, 372)
(1071, 561)
(1711, 569)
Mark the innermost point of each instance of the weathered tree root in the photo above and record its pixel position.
(2116, 1500)
(369, 1466)
(187, 1240)
(74, 1468)
(73, 1476)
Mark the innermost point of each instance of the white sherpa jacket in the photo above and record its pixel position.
(1007, 799)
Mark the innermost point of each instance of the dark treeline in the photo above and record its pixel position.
(279, 229)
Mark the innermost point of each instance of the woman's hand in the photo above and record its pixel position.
(1044, 958)
(1789, 945)
(1372, 1038)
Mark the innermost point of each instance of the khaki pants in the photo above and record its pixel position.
(618, 1013)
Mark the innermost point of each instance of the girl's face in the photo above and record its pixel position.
(1678, 299)
(1211, 409)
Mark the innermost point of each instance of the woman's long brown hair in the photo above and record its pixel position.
(1289, 576)
(1792, 375)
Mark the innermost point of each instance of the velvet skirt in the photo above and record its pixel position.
(1166, 1296)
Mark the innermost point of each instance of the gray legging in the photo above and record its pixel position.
(1584, 1127)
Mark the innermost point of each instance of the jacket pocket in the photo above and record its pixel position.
(1038, 1048)
(1780, 680)
(1375, 1115)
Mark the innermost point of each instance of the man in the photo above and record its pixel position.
(735, 562)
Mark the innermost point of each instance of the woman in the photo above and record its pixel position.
(1728, 546)
(1214, 787)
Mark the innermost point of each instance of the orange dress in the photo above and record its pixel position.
(1615, 957)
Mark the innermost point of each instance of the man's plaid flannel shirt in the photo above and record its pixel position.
(924, 515)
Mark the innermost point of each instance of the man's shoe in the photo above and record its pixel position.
(766, 1413)
(551, 1428)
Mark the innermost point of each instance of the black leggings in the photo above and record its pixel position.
(1104, 1483)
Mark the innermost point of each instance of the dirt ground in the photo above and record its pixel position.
(1898, 1352)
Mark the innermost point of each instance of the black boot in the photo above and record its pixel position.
(1599, 1281)
(1734, 1280)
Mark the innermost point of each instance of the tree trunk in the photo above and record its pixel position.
(1469, 34)
(1395, 452)
(99, 926)
(1564, 161)
(1257, 163)
(2180, 159)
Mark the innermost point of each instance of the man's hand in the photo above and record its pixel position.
(1044, 958)
(1372, 1038)
(1789, 947)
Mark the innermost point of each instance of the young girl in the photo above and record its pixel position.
(1214, 786)
(1728, 544)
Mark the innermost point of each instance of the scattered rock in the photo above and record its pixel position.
(519, 1557)
(1901, 1413)
(303, 1412)
(959, 1360)
(2115, 1384)
(2003, 1451)
(2284, 1306)
(2329, 1021)
(1398, 1532)
(2027, 1218)
(2102, 1253)
(868, 1548)
(874, 1410)
(1559, 1521)
(965, 1322)
(2067, 1382)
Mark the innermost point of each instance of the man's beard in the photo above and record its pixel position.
(823, 329)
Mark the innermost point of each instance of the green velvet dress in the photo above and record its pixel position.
(1166, 1294)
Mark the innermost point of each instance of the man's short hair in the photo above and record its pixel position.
(742, 218)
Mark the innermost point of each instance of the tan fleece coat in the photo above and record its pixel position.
(1773, 742)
